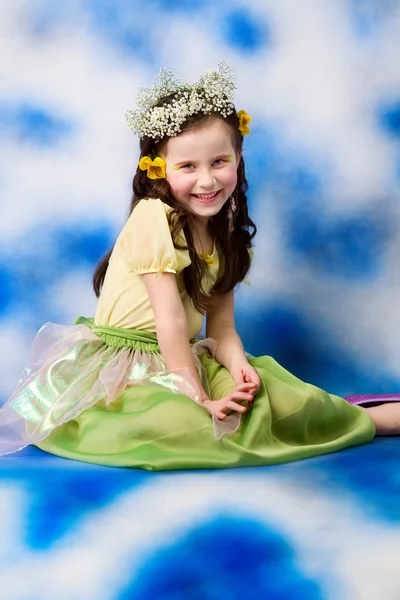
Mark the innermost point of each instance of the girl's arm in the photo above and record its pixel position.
(171, 325)
(220, 326)
(173, 339)
(230, 352)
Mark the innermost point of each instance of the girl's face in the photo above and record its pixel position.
(202, 168)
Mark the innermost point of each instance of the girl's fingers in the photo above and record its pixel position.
(245, 386)
(237, 407)
(241, 397)
(253, 384)
(248, 395)
(250, 388)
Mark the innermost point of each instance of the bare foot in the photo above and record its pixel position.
(386, 418)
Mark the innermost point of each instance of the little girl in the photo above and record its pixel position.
(134, 386)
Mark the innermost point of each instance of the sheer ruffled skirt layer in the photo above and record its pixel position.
(74, 368)
(87, 400)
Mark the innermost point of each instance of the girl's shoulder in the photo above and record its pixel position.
(146, 240)
(149, 213)
(152, 205)
(152, 214)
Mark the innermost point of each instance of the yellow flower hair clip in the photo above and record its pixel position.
(244, 120)
(155, 168)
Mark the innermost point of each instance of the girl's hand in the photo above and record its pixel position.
(231, 402)
(242, 372)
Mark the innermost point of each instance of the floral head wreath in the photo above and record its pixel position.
(213, 93)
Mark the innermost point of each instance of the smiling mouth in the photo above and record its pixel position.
(207, 197)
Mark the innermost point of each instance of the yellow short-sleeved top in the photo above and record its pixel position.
(145, 246)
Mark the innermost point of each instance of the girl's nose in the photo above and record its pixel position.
(206, 179)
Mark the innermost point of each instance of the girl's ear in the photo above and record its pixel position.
(238, 157)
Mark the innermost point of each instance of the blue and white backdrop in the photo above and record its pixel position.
(321, 80)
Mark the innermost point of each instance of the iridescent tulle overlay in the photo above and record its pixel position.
(73, 369)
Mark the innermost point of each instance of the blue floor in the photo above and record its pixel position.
(325, 528)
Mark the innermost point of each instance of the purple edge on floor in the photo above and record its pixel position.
(373, 398)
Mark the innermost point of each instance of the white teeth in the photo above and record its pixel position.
(206, 197)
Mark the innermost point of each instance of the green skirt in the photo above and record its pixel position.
(105, 400)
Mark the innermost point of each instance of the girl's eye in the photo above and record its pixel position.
(188, 166)
(219, 161)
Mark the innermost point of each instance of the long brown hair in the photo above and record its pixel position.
(233, 247)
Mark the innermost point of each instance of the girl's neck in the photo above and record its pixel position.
(202, 237)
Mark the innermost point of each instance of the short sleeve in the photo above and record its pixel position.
(146, 241)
